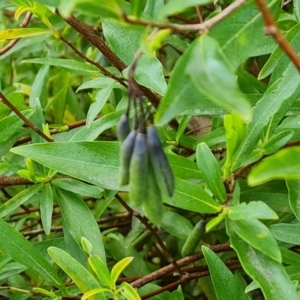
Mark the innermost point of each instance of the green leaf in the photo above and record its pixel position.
(239, 34)
(100, 99)
(192, 197)
(282, 165)
(252, 210)
(177, 295)
(183, 227)
(96, 162)
(277, 100)
(182, 96)
(277, 141)
(258, 236)
(80, 275)
(119, 267)
(24, 252)
(268, 273)
(292, 36)
(21, 33)
(294, 196)
(289, 257)
(34, 102)
(288, 233)
(211, 172)
(73, 66)
(125, 42)
(100, 270)
(226, 285)
(97, 127)
(215, 79)
(235, 131)
(46, 207)
(129, 292)
(177, 6)
(80, 221)
(77, 187)
(19, 199)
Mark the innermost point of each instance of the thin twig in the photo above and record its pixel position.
(24, 119)
(14, 41)
(202, 27)
(153, 232)
(97, 65)
(272, 29)
(95, 40)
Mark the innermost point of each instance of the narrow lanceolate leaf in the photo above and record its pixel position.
(192, 197)
(100, 270)
(226, 285)
(211, 172)
(277, 100)
(22, 251)
(289, 233)
(100, 100)
(46, 207)
(294, 196)
(182, 96)
(119, 267)
(214, 78)
(19, 199)
(129, 292)
(252, 210)
(267, 272)
(80, 275)
(235, 31)
(74, 66)
(282, 165)
(80, 221)
(21, 33)
(258, 236)
(96, 162)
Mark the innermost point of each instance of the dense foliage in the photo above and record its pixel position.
(219, 81)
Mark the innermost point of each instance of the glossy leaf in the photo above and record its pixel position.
(294, 196)
(80, 275)
(97, 127)
(190, 196)
(277, 99)
(252, 210)
(80, 221)
(181, 230)
(100, 99)
(96, 162)
(77, 187)
(125, 42)
(267, 272)
(46, 207)
(21, 33)
(277, 141)
(211, 172)
(19, 199)
(74, 66)
(258, 236)
(129, 292)
(119, 267)
(241, 26)
(100, 269)
(182, 96)
(284, 164)
(221, 87)
(24, 252)
(226, 285)
(288, 233)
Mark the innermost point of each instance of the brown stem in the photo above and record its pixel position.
(24, 119)
(272, 29)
